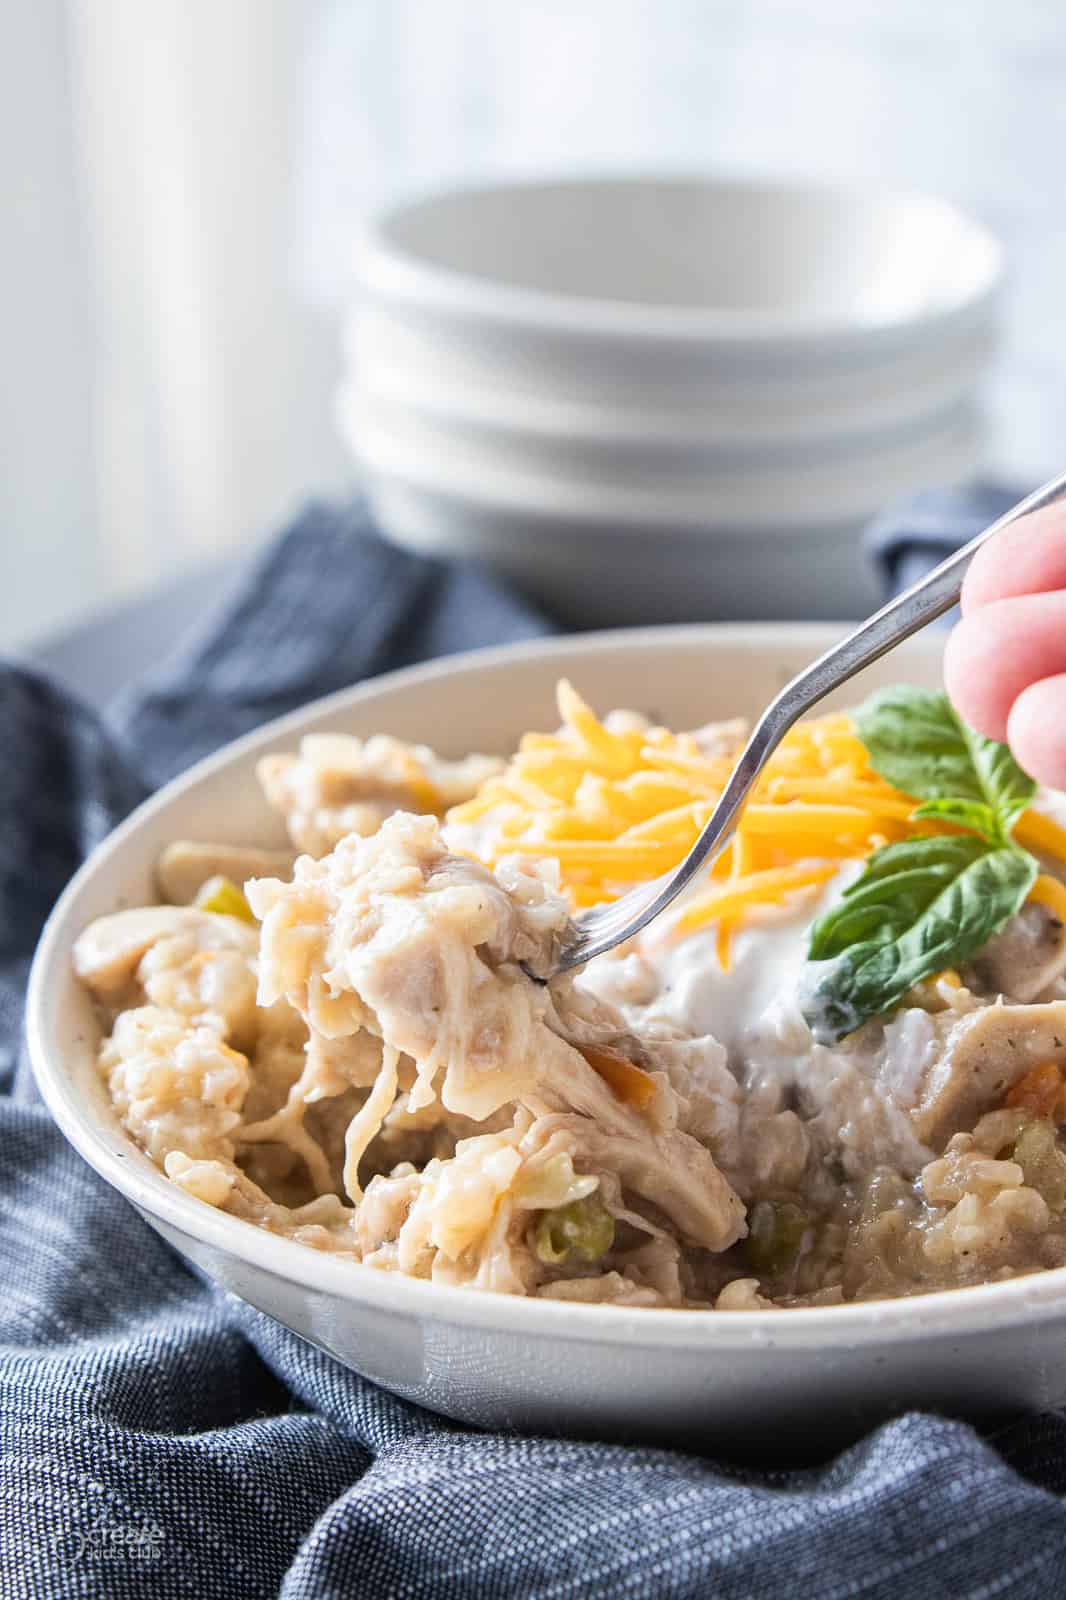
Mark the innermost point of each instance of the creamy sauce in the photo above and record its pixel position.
(759, 993)
(753, 1011)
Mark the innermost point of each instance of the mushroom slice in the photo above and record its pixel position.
(184, 867)
(107, 954)
(1026, 957)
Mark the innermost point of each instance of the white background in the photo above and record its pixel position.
(183, 178)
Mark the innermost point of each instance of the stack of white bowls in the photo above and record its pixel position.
(660, 399)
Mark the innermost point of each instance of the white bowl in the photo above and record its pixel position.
(621, 394)
(587, 569)
(624, 545)
(534, 366)
(790, 1379)
(684, 483)
(760, 272)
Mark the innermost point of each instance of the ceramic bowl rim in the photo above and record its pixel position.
(392, 273)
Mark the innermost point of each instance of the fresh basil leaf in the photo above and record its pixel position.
(897, 885)
(967, 814)
(1007, 788)
(959, 917)
(948, 852)
(925, 903)
(916, 742)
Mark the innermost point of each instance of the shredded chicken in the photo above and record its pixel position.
(338, 785)
(978, 1057)
(394, 935)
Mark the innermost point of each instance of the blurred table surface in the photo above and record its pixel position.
(104, 654)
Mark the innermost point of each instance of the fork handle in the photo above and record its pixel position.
(923, 602)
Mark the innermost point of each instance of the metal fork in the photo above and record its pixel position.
(600, 930)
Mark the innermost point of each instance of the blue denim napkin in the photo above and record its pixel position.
(910, 539)
(161, 1439)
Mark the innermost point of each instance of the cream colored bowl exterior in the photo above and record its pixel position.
(687, 488)
(799, 1380)
(592, 569)
(617, 395)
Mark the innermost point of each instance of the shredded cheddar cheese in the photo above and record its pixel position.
(616, 807)
(425, 793)
(1048, 891)
(757, 888)
(1037, 832)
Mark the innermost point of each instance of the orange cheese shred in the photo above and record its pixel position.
(619, 805)
(628, 1081)
(1042, 1091)
(1048, 891)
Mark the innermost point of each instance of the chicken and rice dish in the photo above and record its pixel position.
(835, 1070)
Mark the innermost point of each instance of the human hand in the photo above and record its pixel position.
(1005, 665)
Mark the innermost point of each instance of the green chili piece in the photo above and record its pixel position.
(775, 1234)
(222, 896)
(1043, 1164)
